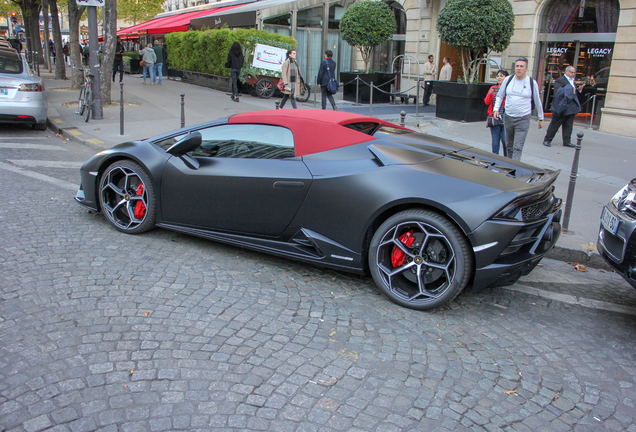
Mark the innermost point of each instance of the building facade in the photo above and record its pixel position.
(597, 37)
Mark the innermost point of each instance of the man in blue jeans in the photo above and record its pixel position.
(159, 51)
(522, 96)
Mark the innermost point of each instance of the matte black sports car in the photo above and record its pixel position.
(424, 216)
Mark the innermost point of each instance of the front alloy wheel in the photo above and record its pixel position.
(419, 259)
(127, 197)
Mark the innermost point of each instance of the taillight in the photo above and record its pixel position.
(31, 87)
(513, 210)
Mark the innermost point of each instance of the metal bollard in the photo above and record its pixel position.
(573, 175)
(121, 108)
(277, 104)
(417, 99)
(371, 99)
(593, 109)
(182, 110)
(402, 118)
(357, 89)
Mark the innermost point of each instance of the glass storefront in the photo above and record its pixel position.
(592, 61)
(578, 33)
(309, 37)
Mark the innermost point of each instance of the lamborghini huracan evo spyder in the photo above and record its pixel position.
(424, 216)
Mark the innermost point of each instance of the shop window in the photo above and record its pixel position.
(384, 54)
(581, 16)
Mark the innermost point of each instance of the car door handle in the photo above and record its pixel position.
(289, 185)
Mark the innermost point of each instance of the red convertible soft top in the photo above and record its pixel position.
(314, 130)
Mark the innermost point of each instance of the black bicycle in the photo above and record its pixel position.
(85, 101)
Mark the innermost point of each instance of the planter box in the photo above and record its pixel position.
(461, 102)
(133, 67)
(207, 80)
(175, 73)
(377, 78)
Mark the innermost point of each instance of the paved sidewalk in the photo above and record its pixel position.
(605, 165)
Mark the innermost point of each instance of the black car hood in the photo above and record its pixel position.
(412, 149)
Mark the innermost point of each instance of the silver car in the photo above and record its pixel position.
(22, 95)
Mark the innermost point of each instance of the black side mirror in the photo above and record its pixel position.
(185, 145)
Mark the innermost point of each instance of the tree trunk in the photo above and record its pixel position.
(60, 64)
(108, 49)
(47, 37)
(36, 43)
(74, 16)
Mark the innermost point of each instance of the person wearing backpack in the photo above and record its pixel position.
(565, 105)
(326, 73)
(522, 97)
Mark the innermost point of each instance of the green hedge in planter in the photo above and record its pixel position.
(129, 55)
(206, 51)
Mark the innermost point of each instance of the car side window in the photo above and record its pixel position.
(246, 141)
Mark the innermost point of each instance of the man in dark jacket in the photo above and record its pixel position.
(565, 105)
(118, 64)
(160, 52)
(323, 78)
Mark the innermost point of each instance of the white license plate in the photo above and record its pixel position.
(4, 91)
(609, 221)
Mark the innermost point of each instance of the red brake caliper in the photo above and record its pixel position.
(397, 256)
(140, 208)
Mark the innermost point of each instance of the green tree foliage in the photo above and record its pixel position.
(474, 27)
(367, 24)
(138, 11)
(7, 6)
(206, 51)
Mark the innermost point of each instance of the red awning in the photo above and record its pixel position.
(169, 24)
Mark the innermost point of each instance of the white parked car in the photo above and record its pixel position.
(22, 95)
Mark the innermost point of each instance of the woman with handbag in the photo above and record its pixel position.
(291, 79)
(149, 58)
(496, 126)
(326, 73)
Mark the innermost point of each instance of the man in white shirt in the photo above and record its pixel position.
(430, 74)
(565, 105)
(447, 70)
(522, 96)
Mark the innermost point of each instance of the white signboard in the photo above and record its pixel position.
(268, 57)
(99, 3)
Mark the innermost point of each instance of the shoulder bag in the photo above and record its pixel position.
(332, 85)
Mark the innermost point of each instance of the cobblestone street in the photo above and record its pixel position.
(159, 332)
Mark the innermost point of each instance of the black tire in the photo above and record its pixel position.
(430, 272)
(264, 88)
(80, 101)
(304, 97)
(88, 103)
(39, 126)
(120, 195)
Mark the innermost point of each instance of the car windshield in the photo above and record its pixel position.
(10, 63)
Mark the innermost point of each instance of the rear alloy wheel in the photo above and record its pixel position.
(264, 88)
(80, 102)
(88, 104)
(127, 197)
(419, 259)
